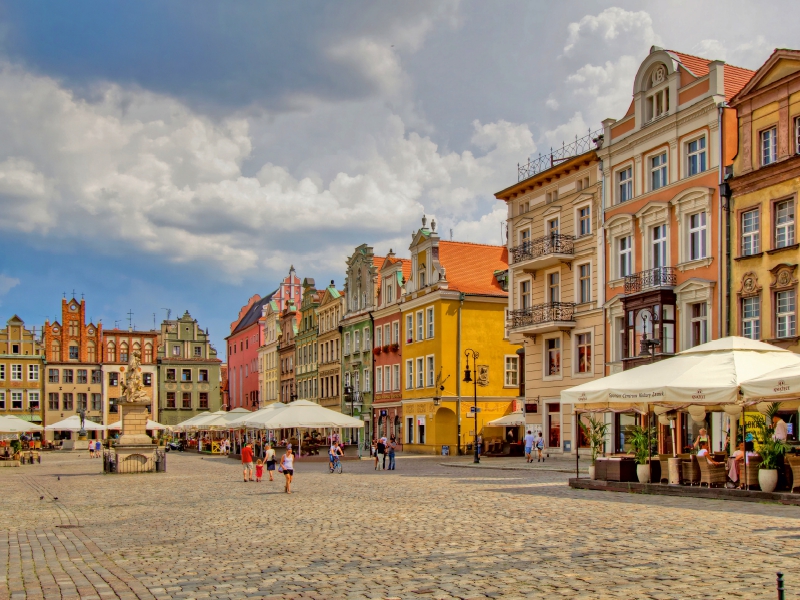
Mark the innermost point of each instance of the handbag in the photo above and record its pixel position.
(280, 468)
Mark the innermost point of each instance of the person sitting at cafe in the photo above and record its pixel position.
(737, 459)
(703, 452)
(781, 430)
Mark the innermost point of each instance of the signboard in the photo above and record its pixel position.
(474, 409)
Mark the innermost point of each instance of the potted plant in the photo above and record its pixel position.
(770, 449)
(595, 433)
(377, 350)
(386, 348)
(395, 347)
(641, 439)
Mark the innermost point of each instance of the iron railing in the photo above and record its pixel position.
(149, 461)
(540, 314)
(651, 278)
(546, 161)
(550, 244)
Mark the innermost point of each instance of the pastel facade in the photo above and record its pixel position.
(764, 244)
(268, 354)
(118, 346)
(21, 372)
(329, 348)
(555, 312)
(306, 344)
(286, 352)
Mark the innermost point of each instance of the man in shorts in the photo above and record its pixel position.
(333, 452)
(529, 440)
(247, 462)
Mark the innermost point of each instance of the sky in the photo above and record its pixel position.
(184, 155)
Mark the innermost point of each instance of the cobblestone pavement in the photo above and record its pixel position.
(423, 531)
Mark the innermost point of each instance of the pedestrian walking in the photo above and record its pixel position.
(287, 467)
(259, 470)
(269, 458)
(529, 440)
(247, 462)
(540, 448)
(373, 452)
(391, 448)
(380, 456)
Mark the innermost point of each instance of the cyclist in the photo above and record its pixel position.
(333, 454)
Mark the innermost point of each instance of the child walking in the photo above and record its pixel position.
(259, 470)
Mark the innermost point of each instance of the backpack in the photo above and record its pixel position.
(540, 443)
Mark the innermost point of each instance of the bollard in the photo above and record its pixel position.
(781, 591)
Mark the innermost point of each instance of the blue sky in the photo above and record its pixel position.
(183, 155)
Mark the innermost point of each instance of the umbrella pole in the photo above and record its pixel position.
(649, 446)
(577, 444)
(744, 439)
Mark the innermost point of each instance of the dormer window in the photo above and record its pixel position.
(657, 98)
(422, 277)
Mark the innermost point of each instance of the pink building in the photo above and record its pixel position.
(247, 335)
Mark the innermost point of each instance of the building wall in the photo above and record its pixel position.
(329, 350)
(21, 371)
(118, 347)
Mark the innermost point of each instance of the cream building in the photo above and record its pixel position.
(118, 346)
(268, 355)
(555, 285)
(329, 350)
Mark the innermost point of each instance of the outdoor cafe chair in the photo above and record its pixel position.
(690, 471)
(663, 460)
(750, 474)
(794, 463)
(712, 474)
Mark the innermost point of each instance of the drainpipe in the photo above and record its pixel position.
(724, 326)
(458, 374)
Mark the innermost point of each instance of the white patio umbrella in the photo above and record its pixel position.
(73, 423)
(151, 425)
(302, 414)
(221, 419)
(12, 424)
(188, 422)
(706, 375)
(514, 419)
(253, 420)
(783, 382)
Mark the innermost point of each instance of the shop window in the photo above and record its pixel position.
(554, 425)
(410, 430)
(623, 425)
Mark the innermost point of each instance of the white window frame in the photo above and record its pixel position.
(396, 377)
(661, 169)
(797, 135)
(420, 326)
(624, 186)
(33, 372)
(661, 243)
(579, 299)
(420, 366)
(16, 396)
(430, 370)
(429, 323)
(378, 336)
(786, 320)
(750, 240)
(579, 219)
(396, 332)
(624, 256)
(367, 341)
(33, 396)
(700, 231)
(511, 373)
(701, 154)
(366, 381)
(379, 380)
(768, 145)
(706, 319)
(575, 336)
(546, 376)
(16, 372)
(410, 374)
(525, 293)
(410, 328)
(753, 321)
(785, 228)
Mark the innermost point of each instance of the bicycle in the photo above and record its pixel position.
(337, 465)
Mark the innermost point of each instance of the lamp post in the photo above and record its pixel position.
(648, 346)
(468, 379)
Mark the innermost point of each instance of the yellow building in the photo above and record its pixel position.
(268, 354)
(21, 372)
(763, 211)
(453, 301)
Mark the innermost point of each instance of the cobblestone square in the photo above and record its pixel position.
(427, 530)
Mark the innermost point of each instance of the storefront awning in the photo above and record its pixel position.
(515, 419)
(34, 418)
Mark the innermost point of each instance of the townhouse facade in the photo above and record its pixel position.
(118, 346)
(74, 378)
(763, 252)
(21, 372)
(555, 309)
(329, 366)
(189, 381)
(268, 354)
(387, 404)
(306, 342)
(454, 302)
(286, 352)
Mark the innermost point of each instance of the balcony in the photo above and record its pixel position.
(544, 252)
(543, 318)
(650, 279)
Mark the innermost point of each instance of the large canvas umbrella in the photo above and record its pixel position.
(73, 423)
(221, 419)
(189, 422)
(254, 420)
(12, 424)
(151, 425)
(302, 414)
(514, 419)
(781, 382)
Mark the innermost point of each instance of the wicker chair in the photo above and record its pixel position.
(663, 459)
(711, 474)
(749, 475)
(690, 471)
(794, 463)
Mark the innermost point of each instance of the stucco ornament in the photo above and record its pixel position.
(133, 388)
(658, 75)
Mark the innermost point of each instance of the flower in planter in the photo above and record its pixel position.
(386, 348)
(395, 347)
(377, 350)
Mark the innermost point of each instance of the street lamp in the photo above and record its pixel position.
(648, 346)
(468, 379)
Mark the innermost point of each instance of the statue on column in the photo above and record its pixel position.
(132, 386)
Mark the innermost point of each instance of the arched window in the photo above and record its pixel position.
(112, 352)
(656, 101)
(137, 348)
(123, 352)
(55, 351)
(148, 353)
(91, 352)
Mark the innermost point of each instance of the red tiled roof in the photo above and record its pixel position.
(378, 262)
(470, 268)
(735, 77)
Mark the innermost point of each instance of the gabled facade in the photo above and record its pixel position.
(306, 342)
(286, 352)
(268, 354)
(555, 312)
(118, 345)
(764, 253)
(361, 287)
(188, 371)
(329, 348)
(74, 377)
(454, 301)
(21, 371)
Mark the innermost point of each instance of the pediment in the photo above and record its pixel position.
(782, 63)
(553, 210)
(782, 68)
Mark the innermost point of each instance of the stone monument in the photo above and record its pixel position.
(135, 452)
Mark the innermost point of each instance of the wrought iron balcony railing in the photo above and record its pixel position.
(652, 278)
(541, 314)
(546, 161)
(550, 244)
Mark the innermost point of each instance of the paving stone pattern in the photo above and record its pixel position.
(423, 531)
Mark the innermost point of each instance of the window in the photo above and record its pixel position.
(186, 400)
(409, 374)
(379, 379)
(198, 351)
(123, 352)
(658, 171)
(148, 353)
(625, 183)
(52, 400)
(696, 153)
(429, 370)
(797, 135)
(553, 292)
(113, 379)
(170, 399)
(769, 146)
(525, 294)
(97, 376)
(552, 228)
(176, 351)
(658, 104)
(202, 376)
(658, 258)
(750, 230)
(33, 372)
(396, 332)
(784, 223)
(113, 406)
(378, 337)
(147, 379)
(553, 346)
(512, 371)
(73, 353)
(366, 381)
(420, 373)
(396, 377)
(52, 374)
(33, 400)
(699, 324)
(91, 352)
(625, 256)
(16, 400)
(584, 352)
(697, 236)
(112, 352)
(367, 342)
(785, 313)
(16, 372)
(186, 374)
(203, 400)
(67, 376)
(420, 330)
(409, 329)
(14, 348)
(356, 341)
(68, 402)
(585, 220)
(585, 283)
(429, 319)
(83, 403)
(751, 318)
(83, 376)
(170, 375)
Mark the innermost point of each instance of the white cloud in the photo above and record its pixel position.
(552, 103)
(613, 24)
(7, 284)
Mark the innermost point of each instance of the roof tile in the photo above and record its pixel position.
(470, 268)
